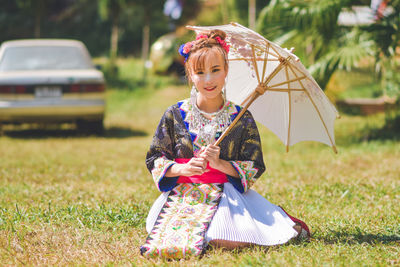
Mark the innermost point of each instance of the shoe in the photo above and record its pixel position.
(305, 231)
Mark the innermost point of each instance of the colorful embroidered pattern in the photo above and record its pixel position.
(161, 166)
(247, 172)
(186, 109)
(173, 139)
(183, 221)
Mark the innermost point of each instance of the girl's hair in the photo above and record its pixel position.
(200, 47)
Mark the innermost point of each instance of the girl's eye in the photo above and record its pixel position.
(199, 72)
(215, 70)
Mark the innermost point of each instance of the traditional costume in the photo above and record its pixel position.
(194, 210)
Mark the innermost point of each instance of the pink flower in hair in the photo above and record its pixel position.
(224, 45)
(187, 47)
(201, 36)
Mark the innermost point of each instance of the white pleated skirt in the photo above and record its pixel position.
(247, 217)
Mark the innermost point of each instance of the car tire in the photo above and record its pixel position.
(90, 127)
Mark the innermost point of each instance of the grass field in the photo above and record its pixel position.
(68, 199)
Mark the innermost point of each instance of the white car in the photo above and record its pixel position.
(50, 81)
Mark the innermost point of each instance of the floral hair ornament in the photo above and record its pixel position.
(184, 49)
(224, 45)
(221, 42)
(201, 36)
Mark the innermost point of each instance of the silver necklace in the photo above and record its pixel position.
(211, 114)
(205, 128)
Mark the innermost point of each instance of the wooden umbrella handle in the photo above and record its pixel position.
(226, 132)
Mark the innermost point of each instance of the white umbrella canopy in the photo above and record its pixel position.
(276, 87)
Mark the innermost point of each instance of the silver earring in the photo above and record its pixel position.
(193, 95)
(224, 90)
(224, 94)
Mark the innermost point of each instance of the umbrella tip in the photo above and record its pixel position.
(334, 149)
(287, 149)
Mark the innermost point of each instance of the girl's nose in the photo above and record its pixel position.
(208, 77)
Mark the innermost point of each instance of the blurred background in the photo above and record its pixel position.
(350, 47)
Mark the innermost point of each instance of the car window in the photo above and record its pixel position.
(44, 58)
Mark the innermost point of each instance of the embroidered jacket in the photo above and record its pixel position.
(172, 140)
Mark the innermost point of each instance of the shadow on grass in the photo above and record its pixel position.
(121, 132)
(264, 249)
(359, 238)
(389, 131)
(43, 133)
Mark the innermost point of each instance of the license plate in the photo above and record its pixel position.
(48, 91)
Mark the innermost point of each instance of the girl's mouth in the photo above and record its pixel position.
(210, 88)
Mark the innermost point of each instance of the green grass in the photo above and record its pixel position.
(132, 75)
(359, 83)
(68, 199)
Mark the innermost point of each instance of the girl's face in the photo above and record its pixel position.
(209, 78)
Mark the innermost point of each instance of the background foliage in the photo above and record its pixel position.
(81, 19)
(325, 46)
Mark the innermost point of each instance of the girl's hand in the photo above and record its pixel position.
(211, 154)
(195, 166)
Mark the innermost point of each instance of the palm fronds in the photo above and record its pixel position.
(324, 45)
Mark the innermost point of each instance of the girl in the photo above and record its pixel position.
(207, 197)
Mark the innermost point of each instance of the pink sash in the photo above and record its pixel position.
(210, 177)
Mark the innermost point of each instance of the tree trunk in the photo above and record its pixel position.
(37, 25)
(145, 44)
(114, 38)
(224, 11)
(38, 17)
(252, 14)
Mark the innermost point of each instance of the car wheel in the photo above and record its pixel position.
(90, 127)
